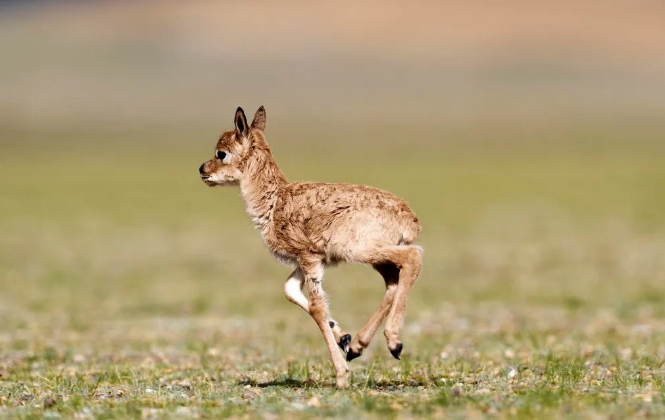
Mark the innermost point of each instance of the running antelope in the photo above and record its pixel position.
(312, 225)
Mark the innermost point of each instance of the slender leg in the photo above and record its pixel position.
(312, 269)
(390, 274)
(407, 259)
(293, 290)
(409, 271)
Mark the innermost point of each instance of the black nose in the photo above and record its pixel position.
(201, 168)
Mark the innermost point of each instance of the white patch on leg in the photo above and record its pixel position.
(293, 291)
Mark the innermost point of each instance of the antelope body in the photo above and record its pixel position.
(313, 225)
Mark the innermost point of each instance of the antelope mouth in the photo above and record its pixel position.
(207, 180)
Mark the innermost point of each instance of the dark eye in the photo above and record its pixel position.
(220, 155)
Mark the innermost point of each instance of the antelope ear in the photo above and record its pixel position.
(259, 122)
(241, 122)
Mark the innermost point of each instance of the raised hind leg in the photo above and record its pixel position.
(390, 274)
(410, 266)
(407, 260)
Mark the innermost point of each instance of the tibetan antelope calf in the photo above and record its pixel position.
(313, 225)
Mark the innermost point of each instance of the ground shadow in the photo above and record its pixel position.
(295, 384)
(284, 383)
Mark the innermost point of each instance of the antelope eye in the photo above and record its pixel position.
(220, 155)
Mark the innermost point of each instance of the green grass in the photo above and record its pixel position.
(129, 289)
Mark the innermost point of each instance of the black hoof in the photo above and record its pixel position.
(350, 355)
(397, 351)
(344, 342)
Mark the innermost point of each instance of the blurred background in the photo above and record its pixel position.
(529, 137)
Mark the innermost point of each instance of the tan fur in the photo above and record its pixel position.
(312, 225)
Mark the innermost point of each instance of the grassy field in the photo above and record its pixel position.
(129, 289)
